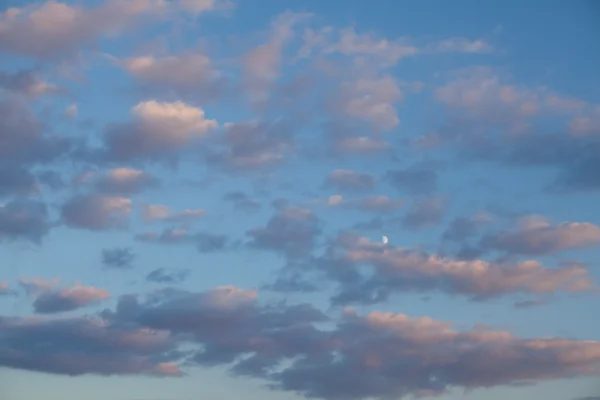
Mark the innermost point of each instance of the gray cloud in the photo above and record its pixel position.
(118, 258)
(24, 219)
(96, 212)
(536, 236)
(78, 296)
(291, 231)
(241, 201)
(343, 179)
(164, 275)
(415, 179)
(205, 242)
(425, 212)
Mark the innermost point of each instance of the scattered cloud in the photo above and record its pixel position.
(126, 182)
(118, 258)
(78, 296)
(425, 213)
(157, 212)
(24, 219)
(536, 236)
(96, 212)
(343, 179)
(169, 276)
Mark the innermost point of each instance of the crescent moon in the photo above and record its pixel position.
(384, 239)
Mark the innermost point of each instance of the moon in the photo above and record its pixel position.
(384, 239)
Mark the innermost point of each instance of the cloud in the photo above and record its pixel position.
(291, 231)
(248, 146)
(536, 236)
(189, 73)
(27, 82)
(262, 64)
(241, 201)
(205, 242)
(78, 296)
(415, 179)
(459, 45)
(157, 212)
(425, 213)
(160, 131)
(343, 179)
(118, 258)
(34, 287)
(126, 181)
(363, 145)
(462, 228)
(5, 290)
(378, 355)
(385, 355)
(24, 219)
(172, 276)
(372, 100)
(24, 139)
(96, 212)
(16, 181)
(368, 203)
(52, 29)
(368, 273)
(78, 346)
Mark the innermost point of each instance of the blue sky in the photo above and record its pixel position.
(193, 195)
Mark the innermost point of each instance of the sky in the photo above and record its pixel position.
(194, 196)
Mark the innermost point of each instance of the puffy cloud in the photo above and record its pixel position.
(425, 212)
(392, 270)
(385, 355)
(415, 179)
(160, 130)
(157, 212)
(24, 219)
(372, 100)
(126, 181)
(186, 73)
(378, 355)
(172, 276)
(96, 212)
(292, 231)
(78, 346)
(536, 236)
(368, 203)
(262, 64)
(205, 242)
(24, 139)
(253, 145)
(119, 258)
(78, 296)
(343, 179)
(52, 28)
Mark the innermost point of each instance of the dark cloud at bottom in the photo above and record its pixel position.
(377, 356)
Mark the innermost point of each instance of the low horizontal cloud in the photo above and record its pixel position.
(415, 179)
(157, 212)
(78, 296)
(536, 236)
(370, 272)
(169, 276)
(368, 203)
(205, 242)
(377, 355)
